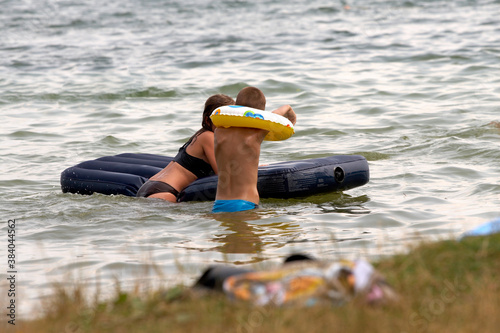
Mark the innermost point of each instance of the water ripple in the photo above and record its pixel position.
(412, 86)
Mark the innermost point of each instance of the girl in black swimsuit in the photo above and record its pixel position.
(187, 167)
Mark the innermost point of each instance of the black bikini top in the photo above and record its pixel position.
(196, 165)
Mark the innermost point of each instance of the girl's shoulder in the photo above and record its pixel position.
(203, 138)
(206, 135)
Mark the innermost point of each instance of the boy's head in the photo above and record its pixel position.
(212, 103)
(251, 97)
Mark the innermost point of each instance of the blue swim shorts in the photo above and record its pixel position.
(229, 206)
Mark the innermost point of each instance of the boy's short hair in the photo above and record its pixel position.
(251, 97)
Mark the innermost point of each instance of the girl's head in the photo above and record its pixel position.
(212, 103)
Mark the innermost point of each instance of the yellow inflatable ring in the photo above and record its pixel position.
(278, 126)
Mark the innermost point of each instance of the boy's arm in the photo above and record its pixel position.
(287, 112)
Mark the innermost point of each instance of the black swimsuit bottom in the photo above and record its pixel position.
(152, 187)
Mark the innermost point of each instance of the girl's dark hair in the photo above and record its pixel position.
(212, 103)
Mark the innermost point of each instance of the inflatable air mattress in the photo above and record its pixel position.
(125, 173)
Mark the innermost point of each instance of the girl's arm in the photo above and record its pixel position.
(208, 149)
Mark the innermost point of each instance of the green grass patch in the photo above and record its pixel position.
(446, 286)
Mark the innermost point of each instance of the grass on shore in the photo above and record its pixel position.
(447, 286)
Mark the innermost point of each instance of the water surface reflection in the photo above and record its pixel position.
(248, 232)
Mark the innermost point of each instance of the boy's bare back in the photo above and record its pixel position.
(237, 152)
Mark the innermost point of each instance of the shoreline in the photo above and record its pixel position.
(445, 286)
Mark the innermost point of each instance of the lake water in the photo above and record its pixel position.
(411, 85)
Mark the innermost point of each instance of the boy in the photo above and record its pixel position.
(237, 151)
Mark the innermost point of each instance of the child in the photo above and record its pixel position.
(195, 159)
(237, 151)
